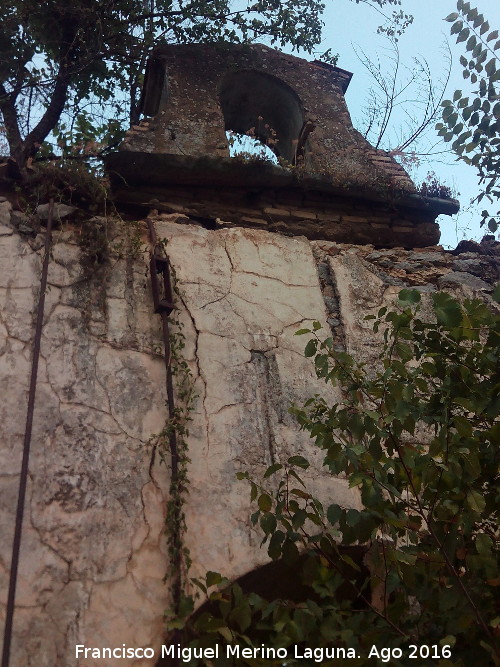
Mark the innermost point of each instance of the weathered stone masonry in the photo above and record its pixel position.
(337, 186)
(254, 262)
(93, 554)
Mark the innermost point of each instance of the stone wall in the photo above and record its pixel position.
(93, 553)
(330, 183)
(93, 549)
(255, 193)
(192, 111)
(289, 207)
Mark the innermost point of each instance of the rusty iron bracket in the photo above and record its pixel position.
(162, 290)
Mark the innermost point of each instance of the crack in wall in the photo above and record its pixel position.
(331, 297)
(129, 300)
(56, 539)
(197, 363)
(221, 298)
(273, 278)
(152, 481)
(269, 395)
(255, 427)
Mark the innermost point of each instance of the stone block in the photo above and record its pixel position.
(459, 278)
(276, 212)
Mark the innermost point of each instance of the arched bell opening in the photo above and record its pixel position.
(262, 107)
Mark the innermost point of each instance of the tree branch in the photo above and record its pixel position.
(11, 122)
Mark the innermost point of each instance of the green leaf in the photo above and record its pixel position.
(265, 502)
(226, 633)
(299, 518)
(484, 544)
(484, 28)
(463, 425)
(409, 296)
(272, 469)
(447, 310)
(490, 67)
(403, 351)
(274, 548)
(478, 20)
(349, 561)
(352, 517)
(449, 640)
(314, 518)
(200, 585)
(299, 461)
(186, 606)
(333, 514)
(268, 523)
(300, 494)
(471, 43)
(254, 490)
(213, 579)
(476, 501)
(404, 557)
(242, 616)
(311, 348)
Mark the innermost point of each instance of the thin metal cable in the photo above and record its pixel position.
(26, 449)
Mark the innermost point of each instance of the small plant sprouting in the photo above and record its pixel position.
(432, 187)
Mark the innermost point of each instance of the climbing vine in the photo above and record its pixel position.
(172, 446)
(179, 423)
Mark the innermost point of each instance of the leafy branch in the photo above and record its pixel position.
(417, 438)
(471, 122)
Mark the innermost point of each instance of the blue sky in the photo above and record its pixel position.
(348, 25)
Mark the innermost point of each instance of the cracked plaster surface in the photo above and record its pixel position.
(362, 289)
(245, 293)
(93, 552)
